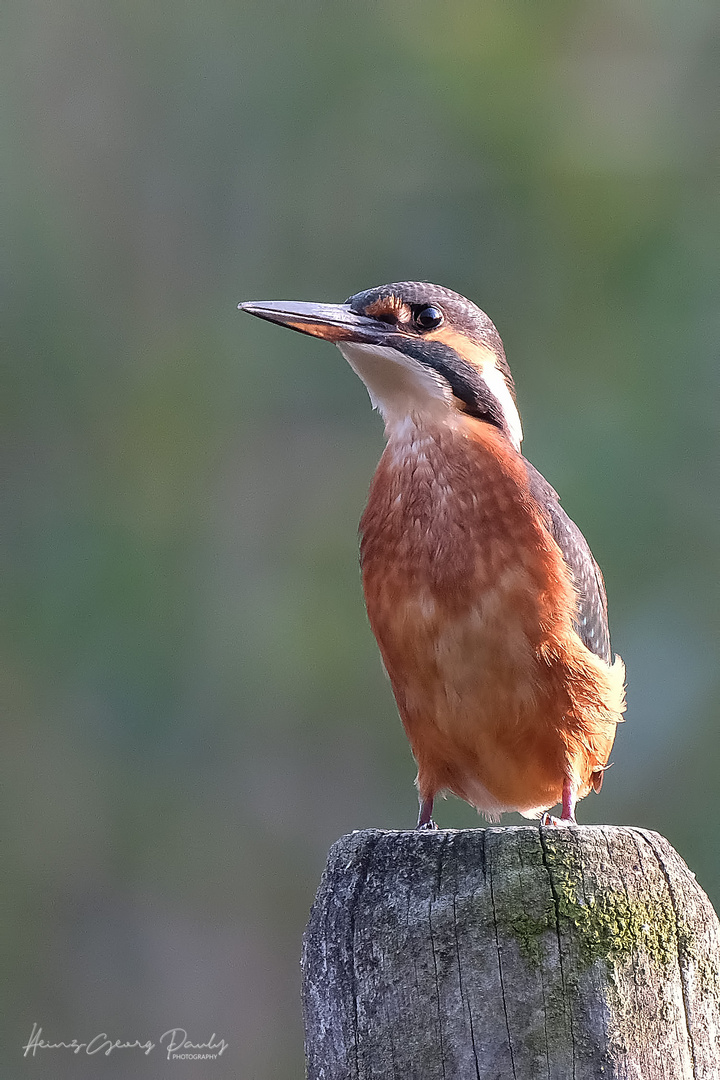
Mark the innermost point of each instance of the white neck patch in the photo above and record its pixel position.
(495, 382)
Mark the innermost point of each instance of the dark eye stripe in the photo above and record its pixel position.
(465, 382)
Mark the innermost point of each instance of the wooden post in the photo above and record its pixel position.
(511, 954)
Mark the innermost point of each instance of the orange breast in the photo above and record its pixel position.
(472, 604)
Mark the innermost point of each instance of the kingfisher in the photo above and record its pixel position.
(488, 607)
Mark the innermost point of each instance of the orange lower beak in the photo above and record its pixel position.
(334, 322)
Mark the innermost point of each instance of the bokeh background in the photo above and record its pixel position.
(194, 706)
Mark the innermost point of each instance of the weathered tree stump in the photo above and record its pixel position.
(525, 953)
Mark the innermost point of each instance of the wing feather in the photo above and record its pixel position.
(591, 622)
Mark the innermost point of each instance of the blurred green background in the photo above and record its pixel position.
(195, 708)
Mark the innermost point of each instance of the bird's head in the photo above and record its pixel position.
(420, 349)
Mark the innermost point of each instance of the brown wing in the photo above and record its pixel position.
(591, 622)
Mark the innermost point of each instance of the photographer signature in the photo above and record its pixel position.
(174, 1042)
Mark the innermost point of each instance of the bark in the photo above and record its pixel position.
(523, 953)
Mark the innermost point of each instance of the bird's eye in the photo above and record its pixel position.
(428, 318)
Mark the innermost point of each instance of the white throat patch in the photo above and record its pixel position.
(398, 385)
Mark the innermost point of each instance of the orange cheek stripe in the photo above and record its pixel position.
(477, 355)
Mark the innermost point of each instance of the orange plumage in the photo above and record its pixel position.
(472, 606)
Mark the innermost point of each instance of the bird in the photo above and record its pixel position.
(487, 605)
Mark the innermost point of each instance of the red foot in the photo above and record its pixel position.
(568, 808)
(425, 821)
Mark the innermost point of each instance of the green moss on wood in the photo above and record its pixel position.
(705, 963)
(529, 932)
(610, 925)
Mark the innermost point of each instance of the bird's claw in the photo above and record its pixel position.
(548, 820)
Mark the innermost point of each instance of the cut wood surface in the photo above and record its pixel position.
(511, 954)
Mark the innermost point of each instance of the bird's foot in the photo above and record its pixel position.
(568, 808)
(425, 822)
(556, 822)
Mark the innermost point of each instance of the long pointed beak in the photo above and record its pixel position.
(334, 322)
